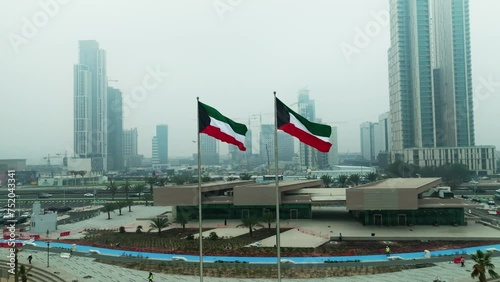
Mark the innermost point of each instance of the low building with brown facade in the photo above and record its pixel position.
(238, 199)
(405, 201)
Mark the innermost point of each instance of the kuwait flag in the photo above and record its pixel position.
(213, 123)
(313, 134)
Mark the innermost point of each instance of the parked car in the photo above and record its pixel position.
(88, 195)
(137, 195)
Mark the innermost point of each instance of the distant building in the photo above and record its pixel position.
(266, 143)
(115, 129)
(42, 221)
(430, 85)
(90, 111)
(155, 160)
(370, 140)
(478, 159)
(333, 155)
(209, 150)
(162, 137)
(10, 164)
(130, 147)
(307, 109)
(384, 121)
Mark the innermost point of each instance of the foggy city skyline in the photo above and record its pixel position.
(232, 59)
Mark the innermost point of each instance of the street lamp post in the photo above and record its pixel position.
(48, 252)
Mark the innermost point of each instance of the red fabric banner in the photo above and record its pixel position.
(66, 233)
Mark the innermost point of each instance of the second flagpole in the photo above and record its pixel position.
(200, 232)
(278, 194)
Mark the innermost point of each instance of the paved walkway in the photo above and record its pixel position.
(79, 267)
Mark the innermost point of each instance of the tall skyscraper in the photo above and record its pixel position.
(209, 150)
(430, 74)
(115, 129)
(162, 137)
(266, 143)
(333, 155)
(370, 140)
(286, 150)
(90, 109)
(155, 156)
(430, 85)
(130, 150)
(384, 120)
(130, 142)
(306, 109)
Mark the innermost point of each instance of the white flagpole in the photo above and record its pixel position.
(200, 237)
(278, 200)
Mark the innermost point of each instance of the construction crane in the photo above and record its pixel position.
(54, 156)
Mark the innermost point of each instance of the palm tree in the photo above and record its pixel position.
(327, 179)
(130, 203)
(250, 222)
(354, 178)
(483, 263)
(82, 174)
(120, 205)
(148, 197)
(269, 218)
(343, 179)
(139, 189)
(151, 181)
(159, 223)
(112, 187)
(126, 189)
(109, 207)
(162, 181)
(372, 176)
(23, 273)
(183, 219)
(138, 229)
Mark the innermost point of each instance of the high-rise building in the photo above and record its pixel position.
(90, 109)
(155, 158)
(209, 150)
(430, 74)
(130, 150)
(162, 137)
(266, 143)
(430, 85)
(333, 154)
(384, 121)
(370, 140)
(286, 150)
(307, 109)
(130, 142)
(115, 129)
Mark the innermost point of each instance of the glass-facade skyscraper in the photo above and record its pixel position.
(90, 105)
(162, 137)
(430, 81)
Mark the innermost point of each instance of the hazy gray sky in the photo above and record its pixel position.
(232, 57)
